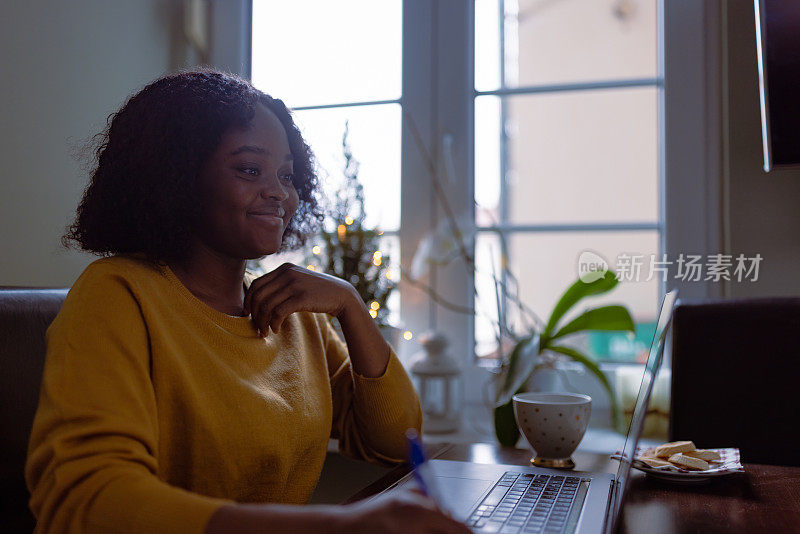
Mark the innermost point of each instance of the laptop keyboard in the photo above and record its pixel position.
(527, 503)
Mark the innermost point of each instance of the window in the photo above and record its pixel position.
(341, 66)
(543, 110)
(566, 155)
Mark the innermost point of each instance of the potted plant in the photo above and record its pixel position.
(527, 356)
(543, 342)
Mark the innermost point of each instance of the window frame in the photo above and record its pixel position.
(691, 180)
(438, 95)
(507, 230)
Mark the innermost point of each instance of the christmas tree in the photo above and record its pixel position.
(347, 248)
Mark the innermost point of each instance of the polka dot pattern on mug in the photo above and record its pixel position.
(553, 424)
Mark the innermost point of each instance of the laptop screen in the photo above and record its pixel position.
(642, 400)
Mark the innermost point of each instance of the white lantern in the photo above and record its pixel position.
(437, 376)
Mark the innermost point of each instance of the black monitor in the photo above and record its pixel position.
(778, 48)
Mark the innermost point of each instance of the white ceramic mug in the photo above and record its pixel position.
(553, 424)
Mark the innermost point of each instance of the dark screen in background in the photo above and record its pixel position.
(782, 43)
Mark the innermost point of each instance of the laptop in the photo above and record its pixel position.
(510, 499)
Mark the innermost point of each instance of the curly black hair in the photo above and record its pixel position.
(143, 197)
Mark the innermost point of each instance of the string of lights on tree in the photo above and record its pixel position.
(348, 249)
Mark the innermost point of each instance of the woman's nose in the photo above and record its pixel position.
(274, 189)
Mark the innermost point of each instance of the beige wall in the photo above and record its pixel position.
(764, 208)
(65, 66)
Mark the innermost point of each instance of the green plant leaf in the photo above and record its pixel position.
(505, 425)
(576, 292)
(603, 318)
(595, 370)
(521, 362)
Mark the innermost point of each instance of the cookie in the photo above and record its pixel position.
(668, 449)
(705, 454)
(654, 462)
(681, 460)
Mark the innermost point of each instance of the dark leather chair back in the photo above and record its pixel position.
(25, 315)
(735, 373)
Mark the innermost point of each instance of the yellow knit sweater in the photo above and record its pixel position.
(155, 409)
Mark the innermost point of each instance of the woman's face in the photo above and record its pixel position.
(246, 190)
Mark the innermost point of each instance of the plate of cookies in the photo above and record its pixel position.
(681, 461)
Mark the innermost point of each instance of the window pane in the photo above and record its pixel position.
(565, 41)
(487, 262)
(312, 52)
(374, 138)
(487, 160)
(546, 263)
(390, 247)
(487, 44)
(574, 157)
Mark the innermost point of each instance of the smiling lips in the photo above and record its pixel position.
(274, 214)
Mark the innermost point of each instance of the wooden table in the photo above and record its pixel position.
(766, 499)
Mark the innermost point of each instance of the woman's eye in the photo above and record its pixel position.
(287, 177)
(250, 171)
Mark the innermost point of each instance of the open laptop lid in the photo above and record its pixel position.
(642, 400)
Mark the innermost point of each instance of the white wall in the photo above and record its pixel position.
(65, 67)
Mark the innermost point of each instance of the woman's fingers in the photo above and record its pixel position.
(272, 303)
(413, 512)
(273, 314)
(401, 512)
(438, 519)
(283, 310)
(268, 291)
(289, 288)
(259, 283)
(264, 310)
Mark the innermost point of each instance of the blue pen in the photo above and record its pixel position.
(421, 468)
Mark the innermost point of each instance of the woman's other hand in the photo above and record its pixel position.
(291, 288)
(401, 512)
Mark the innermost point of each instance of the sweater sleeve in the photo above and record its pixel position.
(93, 453)
(370, 415)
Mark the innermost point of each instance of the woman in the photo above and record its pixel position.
(175, 397)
